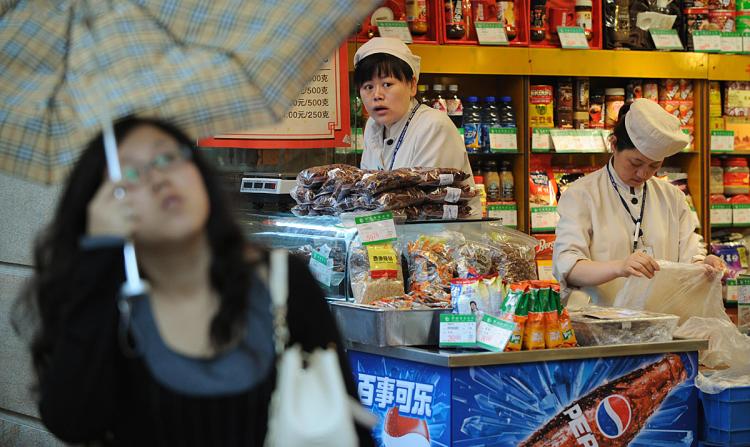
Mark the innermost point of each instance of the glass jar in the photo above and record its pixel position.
(538, 29)
(583, 17)
(614, 99)
(416, 17)
(736, 176)
(716, 182)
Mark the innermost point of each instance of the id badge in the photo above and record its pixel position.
(648, 250)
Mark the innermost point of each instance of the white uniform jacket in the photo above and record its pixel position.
(431, 140)
(594, 225)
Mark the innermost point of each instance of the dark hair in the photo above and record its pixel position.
(621, 133)
(381, 65)
(42, 305)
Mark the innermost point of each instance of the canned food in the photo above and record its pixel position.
(721, 20)
(541, 106)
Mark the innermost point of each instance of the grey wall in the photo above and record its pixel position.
(24, 209)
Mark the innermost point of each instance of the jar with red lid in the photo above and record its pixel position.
(696, 19)
(736, 176)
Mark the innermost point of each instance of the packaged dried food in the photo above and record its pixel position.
(378, 181)
(566, 327)
(440, 176)
(340, 182)
(356, 202)
(375, 271)
(430, 262)
(301, 210)
(325, 203)
(399, 198)
(433, 211)
(474, 259)
(451, 194)
(467, 297)
(302, 195)
(533, 333)
(317, 175)
(541, 189)
(519, 249)
(515, 309)
(552, 332)
(495, 291)
(734, 253)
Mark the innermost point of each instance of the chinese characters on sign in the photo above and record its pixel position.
(411, 397)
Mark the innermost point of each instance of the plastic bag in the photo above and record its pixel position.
(721, 380)
(399, 198)
(378, 181)
(440, 176)
(518, 262)
(450, 194)
(678, 289)
(726, 345)
(302, 195)
(317, 175)
(375, 271)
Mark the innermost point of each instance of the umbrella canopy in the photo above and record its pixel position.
(210, 66)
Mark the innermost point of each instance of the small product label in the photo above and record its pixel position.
(507, 213)
(452, 195)
(458, 330)
(446, 179)
(666, 39)
(731, 42)
(541, 140)
(383, 261)
(544, 218)
(707, 41)
(376, 228)
(493, 333)
(450, 212)
(503, 139)
(491, 33)
(580, 140)
(321, 266)
(573, 37)
(721, 215)
(722, 140)
(397, 29)
(741, 214)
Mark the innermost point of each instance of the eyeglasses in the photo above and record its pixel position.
(163, 162)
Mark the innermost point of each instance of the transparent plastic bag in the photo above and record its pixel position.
(518, 260)
(719, 381)
(371, 282)
(678, 289)
(726, 345)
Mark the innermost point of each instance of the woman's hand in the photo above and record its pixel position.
(110, 212)
(713, 266)
(638, 264)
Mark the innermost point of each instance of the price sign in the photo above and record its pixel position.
(707, 41)
(506, 212)
(458, 331)
(738, 98)
(321, 266)
(577, 140)
(722, 140)
(376, 228)
(493, 333)
(746, 42)
(544, 218)
(541, 140)
(572, 37)
(666, 39)
(397, 29)
(731, 42)
(721, 215)
(491, 33)
(741, 214)
(503, 139)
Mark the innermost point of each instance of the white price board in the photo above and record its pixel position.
(544, 218)
(321, 266)
(572, 37)
(741, 214)
(582, 140)
(397, 29)
(376, 228)
(493, 333)
(707, 41)
(491, 33)
(731, 42)
(541, 140)
(721, 215)
(507, 213)
(722, 140)
(503, 139)
(666, 39)
(458, 330)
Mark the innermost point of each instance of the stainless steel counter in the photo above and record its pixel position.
(454, 358)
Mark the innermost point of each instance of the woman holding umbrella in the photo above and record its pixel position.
(194, 365)
(400, 133)
(616, 221)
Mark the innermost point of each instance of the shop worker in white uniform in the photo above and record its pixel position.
(400, 133)
(617, 221)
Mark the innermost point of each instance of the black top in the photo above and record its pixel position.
(93, 392)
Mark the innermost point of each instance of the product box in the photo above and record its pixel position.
(512, 13)
(403, 10)
(562, 13)
(544, 256)
(741, 129)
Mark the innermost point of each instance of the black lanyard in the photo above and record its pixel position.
(637, 222)
(401, 137)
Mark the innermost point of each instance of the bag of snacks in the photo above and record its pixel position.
(566, 327)
(533, 334)
(467, 297)
(399, 198)
(474, 259)
(315, 177)
(440, 176)
(376, 182)
(430, 262)
(375, 271)
(515, 309)
(451, 194)
(518, 259)
(495, 292)
(302, 195)
(552, 335)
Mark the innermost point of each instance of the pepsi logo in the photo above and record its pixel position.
(613, 416)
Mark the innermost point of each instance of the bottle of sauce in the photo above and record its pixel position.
(491, 181)
(538, 29)
(438, 101)
(416, 17)
(455, 27)
(596, 109)
(584, 17)
(423, 95)
(455, 107)
(614, 99)
(564, 103)
(479, 184)
(507, 186)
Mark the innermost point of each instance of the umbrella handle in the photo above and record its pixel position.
(133, 285)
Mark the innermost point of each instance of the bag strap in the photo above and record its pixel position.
(278, 286)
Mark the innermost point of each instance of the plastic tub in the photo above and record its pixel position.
(726, 416)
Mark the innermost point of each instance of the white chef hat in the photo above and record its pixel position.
(653, 131)
(392, 46)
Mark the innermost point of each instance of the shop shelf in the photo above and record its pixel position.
(727, 67)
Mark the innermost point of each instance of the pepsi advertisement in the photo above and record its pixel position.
(642, 401)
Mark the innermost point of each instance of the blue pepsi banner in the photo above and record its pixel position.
(643, 401)
(640, 401)
(412, 400)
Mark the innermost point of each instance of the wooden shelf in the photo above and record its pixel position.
(726, 67)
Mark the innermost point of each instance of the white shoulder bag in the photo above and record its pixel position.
(310, 405)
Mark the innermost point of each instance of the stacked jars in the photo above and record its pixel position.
(736, 176)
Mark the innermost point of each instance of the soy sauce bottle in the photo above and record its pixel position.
(454, 19)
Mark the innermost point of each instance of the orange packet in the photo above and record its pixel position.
(566, 327)
(533, 334)
(552, 336)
